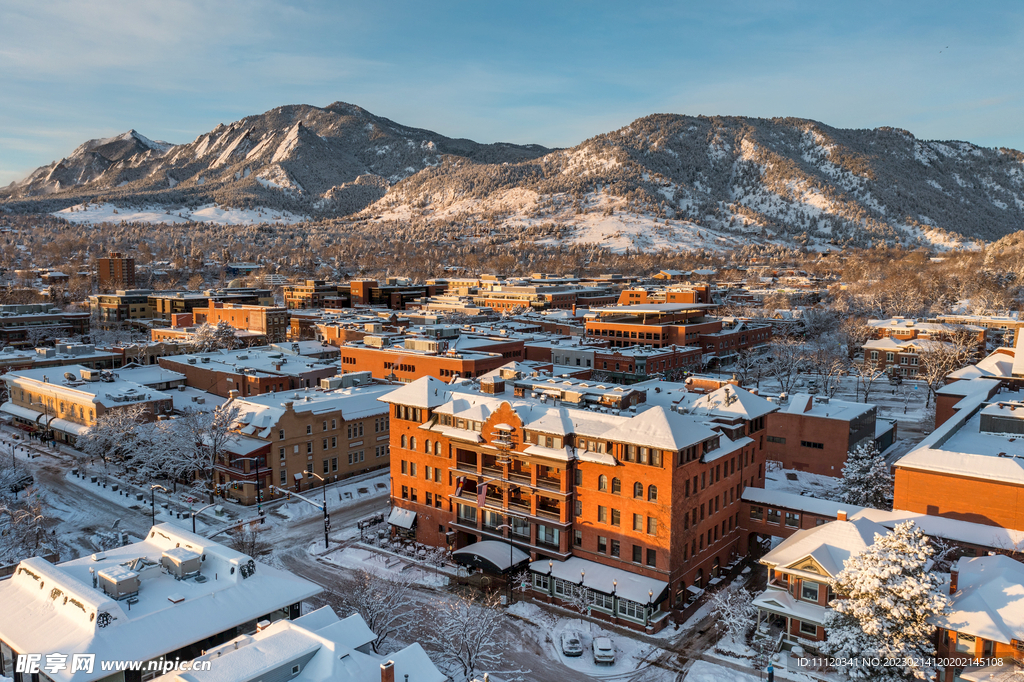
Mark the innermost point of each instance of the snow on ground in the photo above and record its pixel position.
(382, 564)
(338, 495)
(702, 671)
(129, 501)
(209, 213)
(630, 654)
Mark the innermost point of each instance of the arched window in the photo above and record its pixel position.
(652, 493)
(428, 446)
(412, 442)
(638, 490)
(616, 486)
(699, 578)
(602, 483)
(437, 447)
(403, 441)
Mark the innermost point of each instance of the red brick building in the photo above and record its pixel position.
(630, 490)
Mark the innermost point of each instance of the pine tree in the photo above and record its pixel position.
(887, 600)
(866, 479)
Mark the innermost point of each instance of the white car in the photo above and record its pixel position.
(604, 651)
(572, 645)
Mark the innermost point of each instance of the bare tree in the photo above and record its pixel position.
(940, 358)
(209, 337)
(466, 636)
(867, 373)
(386, 603)
(247, 540)
(786, 357)
(189, 447)
(750, 366)
(829, 364)
(23, 531)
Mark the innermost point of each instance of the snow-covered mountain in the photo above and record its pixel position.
(664, 181)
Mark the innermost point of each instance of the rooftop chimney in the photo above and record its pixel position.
(233, 394)
(387, 672)
(954, 575)
(841, 516)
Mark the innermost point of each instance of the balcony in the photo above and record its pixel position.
(519, 505)
(549, 483)
(549, 511)
(520, 477)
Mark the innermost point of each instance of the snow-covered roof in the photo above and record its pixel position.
(659, 428)
(731, 401)
(324, 647)
(803, 503)
(496, 553)
(829, 544)
(426, 392)
(780, 601)
(112, 392)
(234, 590)
(989, 599)
(805, 403)
(602, 578)
(148, 375)
(258, 414)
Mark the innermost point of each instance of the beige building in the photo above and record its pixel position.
(332, 433)
(61, 403)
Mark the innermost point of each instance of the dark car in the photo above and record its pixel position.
(22, 483)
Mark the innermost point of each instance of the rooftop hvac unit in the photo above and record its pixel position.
(205, 360)
(119, 582)
(191, 361)
(330, 383)
(181, 563)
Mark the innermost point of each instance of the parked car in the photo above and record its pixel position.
(604, 651)
(572, 645)
(22, 483)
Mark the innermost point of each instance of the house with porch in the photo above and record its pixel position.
(795, 602)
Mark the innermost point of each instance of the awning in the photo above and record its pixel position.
(605, 579)
(68, 427)
(298, 477)
(493, 556)
(403, 518)
(19, 411)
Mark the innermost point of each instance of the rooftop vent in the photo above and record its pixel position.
(119, 582)
(181, 563)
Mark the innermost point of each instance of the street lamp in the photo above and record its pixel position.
(508, 581)
(327, 519)
(152, 498)
(196, 513)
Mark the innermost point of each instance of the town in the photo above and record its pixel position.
(217, 469)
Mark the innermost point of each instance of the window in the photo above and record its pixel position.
(756, 513)
(334, 441)
(638, 522)
(309, 429)
(325, 443)
(773, 516)
(309, 447)
(405, 494)
(281, 451)
(579, 508)
(284, 476)
(652, 557)
(637, 554)
(602, 483)
(280, 434)
(616, 486)
(334, 424)
(541, 582)
(631, 609)
(652, 525)
(334, 463)
(547, 535)
(652, 493)
(412, 468)
(327, 467)
(412, 442)
(602, 545)
(615, 517)
(325, 425)
(577, 538)
(600, 600)
(810, 444)
(602, 514)
(404, 442)
(808, 628)
(792, 520)
(776, 439)
(578, 477)
(809, 590)
(638, 490)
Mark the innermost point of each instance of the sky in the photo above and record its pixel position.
(552, 73)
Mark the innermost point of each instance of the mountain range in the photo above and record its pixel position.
(663, 181)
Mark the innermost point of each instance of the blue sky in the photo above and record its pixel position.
(552, 72)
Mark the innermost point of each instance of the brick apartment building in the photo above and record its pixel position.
(314, 294)
(441, 351)
(627, 494)
(692, 293)
(807, 433)
(250, 371)
(28, 325)
(271, 322)
(334, 433)
(116, 271)
(680, 324)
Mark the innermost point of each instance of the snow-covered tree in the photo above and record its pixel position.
(887, 598)
(466, 637)
(866, 480)
(785, 359)
(867, 373)
(209, 337)
(190, 446)
(119, 437)
(733, 611)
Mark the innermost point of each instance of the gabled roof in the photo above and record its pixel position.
(829, 545)
(425, 392)
(659, 428)
(989, 601)
(733, 401)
